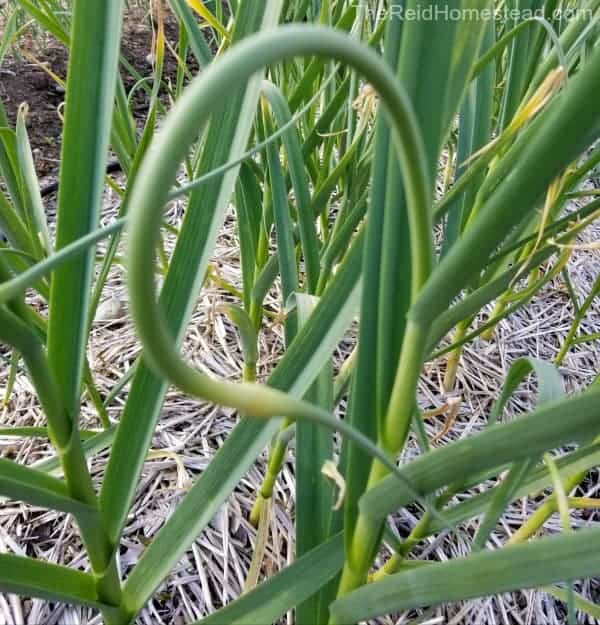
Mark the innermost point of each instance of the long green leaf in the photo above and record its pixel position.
(35, 487)
(196, 38)
(549, 380)
(550, 389)
(474, 132)
(13, 227)
(570, 124)
(534, 564)
(249, 210)
(365, 404)
(538, 480)
(308, 235)
(553, 425)
(34, 207)
(314, 446)
(34, 578)
(286, 248)
(9, 163)
(273, 598)
(225, 141)
(92, 78)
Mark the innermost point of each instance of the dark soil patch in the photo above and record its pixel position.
(21, 80)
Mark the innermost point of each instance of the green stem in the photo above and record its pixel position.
(402, 400)
(363, 545)
(159, 170)
(249, 372)
(64, 435)
(396, 427)
(276, 459)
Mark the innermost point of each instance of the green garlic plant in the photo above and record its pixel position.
(324, 123)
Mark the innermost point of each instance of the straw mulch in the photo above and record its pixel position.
(213, 571)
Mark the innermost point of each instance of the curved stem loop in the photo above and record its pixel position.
(206, 96)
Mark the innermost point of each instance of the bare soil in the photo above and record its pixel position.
(22, 79)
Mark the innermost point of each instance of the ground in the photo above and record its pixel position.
(24, 79)
(214, 569)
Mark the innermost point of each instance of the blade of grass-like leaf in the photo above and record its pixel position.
(139, 152)
(303, 89)
(550, 389)
(65, 438)
(33, 431)
(475, 130)
(476, 300)
(445, 51)
(197, 41)
(124, 132)
(322, 125)
(539, 38)
(542, 430)
(28, 278)
(92, 77)
(48, 22)
(265, 279)
(15, 332)
(534, 564)
(550, 383)
(286, 248)
(562, 133)
(273, 598)
(572, 38)
(341, 237)
(200, 8)
(23, 483)
(308, 235)
(13, 227)
(90, 447)
(34, 578)
(498, 48)
(581, 603)
(248, 208)
(314, 446)
(570, 465)
(225, 141)
(34, 207)
(521, 300)
(323, 192)
(8, 34)
(9, 163)
(468, 43)
(518, 57)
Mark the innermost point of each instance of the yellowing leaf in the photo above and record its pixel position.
(208, 17)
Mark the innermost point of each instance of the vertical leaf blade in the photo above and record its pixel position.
(225, 141)
(90, 93)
